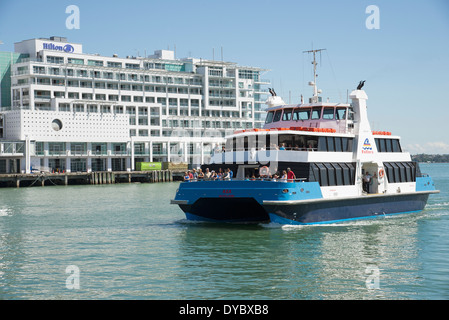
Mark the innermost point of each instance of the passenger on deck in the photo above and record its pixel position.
(284, 176)
(194, 174)
(282, 147)
(200, 174)
(219, 174)
(186, 176)
(290, 175)
(231, 174)
(207, 174)
(366, 182)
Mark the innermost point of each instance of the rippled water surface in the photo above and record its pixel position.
(128, 242)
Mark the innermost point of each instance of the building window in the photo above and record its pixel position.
(95, 63)
(78, 165)
(78, 148)
(92, 108)
(78, 107)
(65, 107)
(114, 64)
(106, 109)
(99, 148)
(51, 59)
(75, 61)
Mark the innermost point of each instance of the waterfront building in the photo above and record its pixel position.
(65, 110)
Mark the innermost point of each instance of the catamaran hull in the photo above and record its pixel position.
(319, 212)
(235, 210)
(248, 210)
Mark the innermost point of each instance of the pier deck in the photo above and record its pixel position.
(100, 177)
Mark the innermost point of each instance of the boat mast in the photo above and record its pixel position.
(315, 89)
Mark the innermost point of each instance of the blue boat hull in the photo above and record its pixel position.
(290, 202)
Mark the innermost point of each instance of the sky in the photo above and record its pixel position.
(404, 60)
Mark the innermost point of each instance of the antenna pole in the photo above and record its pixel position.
(315, 89)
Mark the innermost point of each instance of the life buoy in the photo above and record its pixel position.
(264, 171)
(381, 173)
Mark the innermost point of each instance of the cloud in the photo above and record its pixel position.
(429, 148)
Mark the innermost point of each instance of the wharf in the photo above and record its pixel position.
(100, 177)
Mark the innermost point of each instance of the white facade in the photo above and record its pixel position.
(107, 113)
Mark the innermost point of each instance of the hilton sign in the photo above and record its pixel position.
(66, 48)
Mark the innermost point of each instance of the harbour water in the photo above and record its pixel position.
(126, 241)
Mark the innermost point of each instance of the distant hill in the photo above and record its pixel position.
(430, 157)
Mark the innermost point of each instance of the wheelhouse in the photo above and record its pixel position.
(309, 113)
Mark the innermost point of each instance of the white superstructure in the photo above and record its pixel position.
(72, 111)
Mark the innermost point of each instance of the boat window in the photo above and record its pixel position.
(239, 145)
(323, 175)
(277, 116)
(352, 172)
(344, 144)
(340, 114)
(301, 114)
(316, 113)
(338, 144)
(322, 145)
(346, 174)
(330, 174)
(338, 174)
(287, 140)
(350, 113)
(287, 115)
(383, 147)
(389, 147)
(330, 144)
(299, 143)
(315, 172)
(409, 170)
(400, 171)
(396, 176)
(389, 171)
(269, 117)
(312, 143)
(396, 145)
(403, 175)
(328, 113)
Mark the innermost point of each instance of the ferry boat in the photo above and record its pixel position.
(311, 163)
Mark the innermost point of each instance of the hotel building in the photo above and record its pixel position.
(65, 110)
